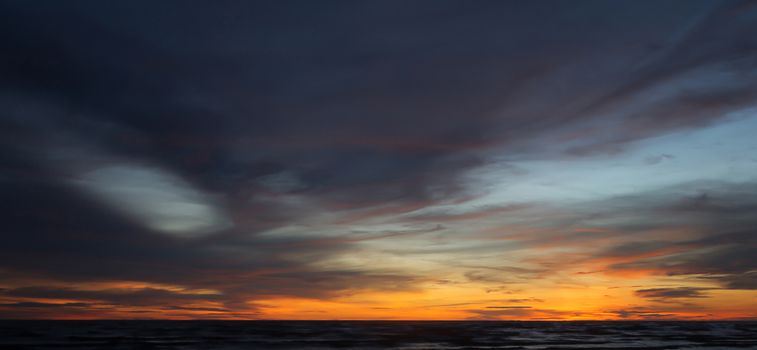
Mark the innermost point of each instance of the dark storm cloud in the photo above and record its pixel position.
(354, 103)
(365, 109)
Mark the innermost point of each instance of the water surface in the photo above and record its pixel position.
(375, 335)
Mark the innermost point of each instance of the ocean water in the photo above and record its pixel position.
(375, 335)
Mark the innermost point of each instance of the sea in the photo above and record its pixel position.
(153, 334)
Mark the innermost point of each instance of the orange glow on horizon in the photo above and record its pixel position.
(433, 302)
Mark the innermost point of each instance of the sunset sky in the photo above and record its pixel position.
(519, 160)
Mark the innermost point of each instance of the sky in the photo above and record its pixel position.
(484, 160)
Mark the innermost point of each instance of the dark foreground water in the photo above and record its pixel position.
(375, 335)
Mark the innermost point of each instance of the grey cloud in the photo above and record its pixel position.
(527, 300)
(211, 309)
(488, 277)
(724, 258)
(719, 213)
(517, 314)
(643, 313)
(31, 304)
(746, 280)
(246, 100)
(672, 293)
(652, 160)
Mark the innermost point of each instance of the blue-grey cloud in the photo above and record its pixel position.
(174, 142)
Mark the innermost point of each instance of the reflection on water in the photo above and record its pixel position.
(375, 335)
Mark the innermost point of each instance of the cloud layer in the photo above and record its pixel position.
(549, 160)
